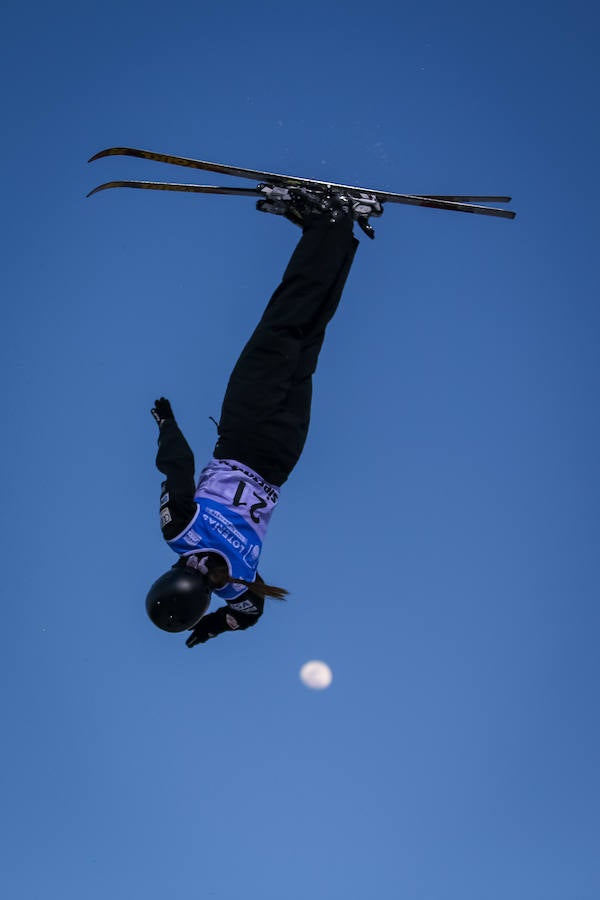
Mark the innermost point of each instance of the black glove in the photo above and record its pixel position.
(208, 627)
(200, 635)
(162, 410)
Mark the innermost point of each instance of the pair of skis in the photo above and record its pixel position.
(459, 203)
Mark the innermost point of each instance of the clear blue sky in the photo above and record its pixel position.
(449, 488)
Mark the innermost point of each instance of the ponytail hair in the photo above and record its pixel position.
(260, 588)
(208, 565)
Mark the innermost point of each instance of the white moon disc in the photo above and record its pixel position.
(316, 674)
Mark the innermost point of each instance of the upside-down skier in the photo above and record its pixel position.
(217, 524)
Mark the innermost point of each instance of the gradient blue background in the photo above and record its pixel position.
(440, 535)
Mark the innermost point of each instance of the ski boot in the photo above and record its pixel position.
(363, 206)
(300, 205)
(278, 200)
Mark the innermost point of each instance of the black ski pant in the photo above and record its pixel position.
(266, 410)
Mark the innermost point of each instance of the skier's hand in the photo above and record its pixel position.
(200, 634)
(162, 410)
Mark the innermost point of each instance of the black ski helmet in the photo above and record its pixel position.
(178, 599)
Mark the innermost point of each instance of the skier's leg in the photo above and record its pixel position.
(264, 416)
(294, 419)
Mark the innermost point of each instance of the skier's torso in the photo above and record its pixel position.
(234, 507)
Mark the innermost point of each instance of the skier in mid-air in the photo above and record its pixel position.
(217, 525)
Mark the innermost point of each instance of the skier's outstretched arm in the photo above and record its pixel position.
(175, 460)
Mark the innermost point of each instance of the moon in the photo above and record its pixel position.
(316, 675)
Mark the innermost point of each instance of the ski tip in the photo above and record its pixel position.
(112, 151)
(98, 155)
(103, 187)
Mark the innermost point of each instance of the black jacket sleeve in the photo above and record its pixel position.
(175, 460)
(226, 619)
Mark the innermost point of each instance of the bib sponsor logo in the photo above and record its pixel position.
(217, 522)
(165, 516)
(192, 538)
(231, 621)
(251, 556)
(221, 518)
